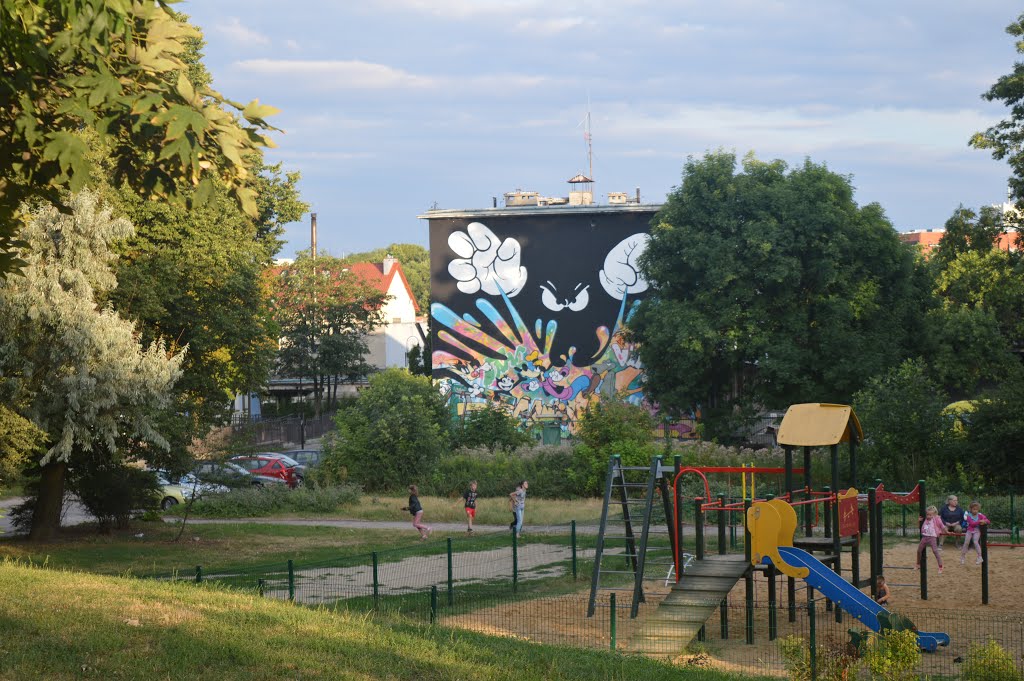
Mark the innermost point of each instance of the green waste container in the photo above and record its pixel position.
(551, 434)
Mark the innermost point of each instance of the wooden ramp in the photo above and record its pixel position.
(684, 611)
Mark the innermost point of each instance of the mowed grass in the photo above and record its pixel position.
(62, 625)
(489, 510)
(212, 546)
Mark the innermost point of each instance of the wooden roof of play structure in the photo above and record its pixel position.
(816, 424)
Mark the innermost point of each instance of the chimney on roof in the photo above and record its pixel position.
(389, 264)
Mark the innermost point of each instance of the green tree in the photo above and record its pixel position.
(995, 436)
(906, 432)
(20, 440)
(1004, 139)
(323, 312)
(415, 262)
(492, 428)
(117, 70)
(607, 428)
(967, 231)
(392, 436)
(772, 286)
(76, 370)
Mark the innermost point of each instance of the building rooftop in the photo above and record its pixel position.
(441, 213)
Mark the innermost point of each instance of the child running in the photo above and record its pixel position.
(416, 510)
(931, 529)
(882, 591)
(973, 520)
(469, 497)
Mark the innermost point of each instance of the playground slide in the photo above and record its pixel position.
(849, 597)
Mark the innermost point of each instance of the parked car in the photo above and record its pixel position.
(310, 458)
(190, 484)
(232, 475)
(171, 494)
(273, 465)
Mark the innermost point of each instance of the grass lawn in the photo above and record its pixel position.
(208, 545)
(58, 626)
(489, 511)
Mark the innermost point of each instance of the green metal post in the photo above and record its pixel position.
(748, 577)
(828, 514)
(199, 574)
(612, 618)
(698, 526)
(773, 615)
(922, 504)
(451, 581)
(722, 548)
(872, 543)
(261, 587)
(984, 564)
(515, 563)
(376, 582)
(1014, 530)
(573, 531)
(433, 604)
(903, 508)
(291, 580)
(812, 639)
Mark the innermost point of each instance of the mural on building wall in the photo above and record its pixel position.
(529, 311)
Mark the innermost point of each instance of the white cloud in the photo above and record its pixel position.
(549, 26)
(292, 45)
(237, 33)
(338, 73)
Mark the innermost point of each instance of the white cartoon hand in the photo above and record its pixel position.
(620, 274)
(486, 263)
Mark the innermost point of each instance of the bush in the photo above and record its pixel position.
(833, 659)
(492, 429)
(498, 474)
(112, 491)
(394, 434)
(989, 662)
(606, 428)
(893, 655)
(255, 502)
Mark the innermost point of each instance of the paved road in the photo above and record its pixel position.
(74, 514)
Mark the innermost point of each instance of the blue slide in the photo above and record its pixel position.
(848, 597)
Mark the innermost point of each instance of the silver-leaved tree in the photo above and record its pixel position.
(73, 368)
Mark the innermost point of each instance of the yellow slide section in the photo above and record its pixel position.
(772, 524)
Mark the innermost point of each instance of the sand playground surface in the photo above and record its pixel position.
(953, 606)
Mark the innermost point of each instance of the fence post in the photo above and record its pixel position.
(1014, 530)
(515, 563)
(199, 574)
(721, 524)
(611, 620)
(291, 580)
(922, 504)
(261, 587)
(433, 603)
(451, 581)
(698, 526)
(984, 564)
(748, 576)
(573, 537)
(903, 507)
(812, 639)
(376, 582)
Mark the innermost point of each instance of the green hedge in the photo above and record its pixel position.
(255, 502)
(547, 469)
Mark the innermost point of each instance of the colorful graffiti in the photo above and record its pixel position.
(542, 373)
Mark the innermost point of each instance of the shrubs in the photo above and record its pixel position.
(255, 502)
(112, 491)
(833, 660)
(989, 662)
(498, 474)
(492, 429)
(892, 655)
(608, 428)
(394, 433)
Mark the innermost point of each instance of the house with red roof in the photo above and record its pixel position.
(404, 326)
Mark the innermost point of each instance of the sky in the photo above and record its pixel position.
(392, 107)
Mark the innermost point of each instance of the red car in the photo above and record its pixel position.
(274, 466)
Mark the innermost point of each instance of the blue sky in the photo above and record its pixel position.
(393, 106)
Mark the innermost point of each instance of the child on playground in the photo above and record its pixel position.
(973, 520)
(469, 499)
(931, 529)
(415, 509)
(952, 515)
(517, 499)
(882, 591)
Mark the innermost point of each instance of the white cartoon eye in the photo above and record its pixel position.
(548, 298)
(582, 298)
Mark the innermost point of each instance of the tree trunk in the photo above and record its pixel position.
(49, 503)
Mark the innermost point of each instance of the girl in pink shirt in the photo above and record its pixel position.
(931, 529)
(973, 520)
